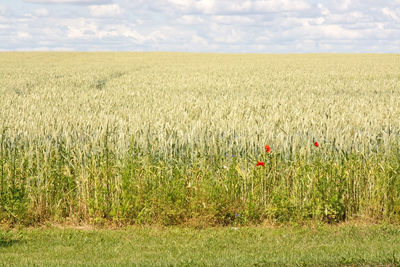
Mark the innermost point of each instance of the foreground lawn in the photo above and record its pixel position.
(338, 245)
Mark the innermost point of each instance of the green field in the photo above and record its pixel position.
(288, 246)
(174, 138)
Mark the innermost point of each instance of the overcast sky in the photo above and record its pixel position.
(266, 26)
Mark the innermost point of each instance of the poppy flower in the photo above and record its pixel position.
(260, 163)
(316, 144)
(267, 148)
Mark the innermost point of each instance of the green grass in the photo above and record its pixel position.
(297, 246)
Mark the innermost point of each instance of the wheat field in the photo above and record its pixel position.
(172, 138)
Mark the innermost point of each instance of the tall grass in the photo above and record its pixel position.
(175, 138)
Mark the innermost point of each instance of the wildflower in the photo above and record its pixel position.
(267, 148)
(316, 144)
(260, 163)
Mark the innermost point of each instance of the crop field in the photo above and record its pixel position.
(199, 139)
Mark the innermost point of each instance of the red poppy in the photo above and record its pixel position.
(260, 163)
(267, 148)
(316, 144)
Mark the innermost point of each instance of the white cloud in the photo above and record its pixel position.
(324, 11)
(24, 35)
(190, 19)
(237, 6)
(342, 5)
(336, 32)
(346, 18)
(199, 40)
(124, 31)
(86, 29)
(241, 20)
(79, 2)
(81, 28)
(280, 5)
(182, 4)
(105, 10)
(306, 45)
(308, 31)
(4, 10)
(41, 12)
(204, 25)
(46, 48)
(205, 6)
(390, 13)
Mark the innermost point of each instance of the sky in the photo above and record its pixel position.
(247, 26)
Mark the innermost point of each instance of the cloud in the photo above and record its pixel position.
(342, 5)
(220, 7)
(41, 12)
(280, 5)
(190, 19)
(78, 2)
(24, 35)
(334, 32)
(5, 10)
(390, 13)
(87, 29)
(272, 26)
(233, 20)
(105, 10)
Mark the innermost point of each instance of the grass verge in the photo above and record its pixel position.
(280, 246)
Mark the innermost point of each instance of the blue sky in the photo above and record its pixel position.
(259, 26)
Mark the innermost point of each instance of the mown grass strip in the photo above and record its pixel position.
(287, 246)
